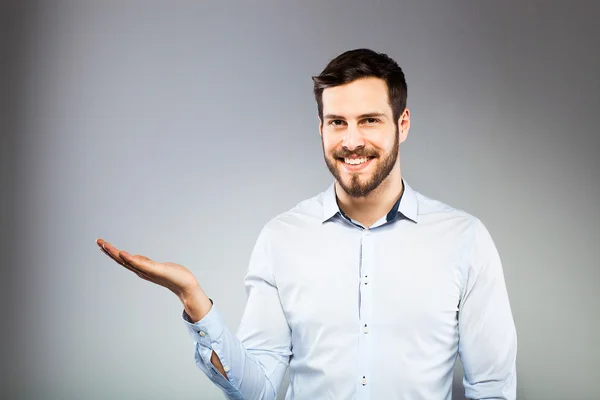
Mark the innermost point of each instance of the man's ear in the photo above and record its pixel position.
(404, 125)
(320, 126)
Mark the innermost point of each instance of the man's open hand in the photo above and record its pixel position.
(174, 277)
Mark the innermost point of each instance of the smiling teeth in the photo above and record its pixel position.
(355, 161)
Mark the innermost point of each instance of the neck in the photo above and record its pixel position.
(369, 209)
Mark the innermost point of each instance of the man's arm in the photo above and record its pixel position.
(192, 311)
(488, 340)
(252, 364)
(253, 369)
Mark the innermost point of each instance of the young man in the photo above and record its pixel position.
(368, 290)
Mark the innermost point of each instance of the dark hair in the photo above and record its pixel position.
(363, 63)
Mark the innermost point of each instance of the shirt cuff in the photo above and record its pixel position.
(208, 330)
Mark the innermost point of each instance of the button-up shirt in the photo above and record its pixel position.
(377, 312)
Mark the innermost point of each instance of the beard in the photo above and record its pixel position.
(355, 187)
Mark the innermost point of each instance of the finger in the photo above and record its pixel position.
(135, 269)
(125, 264)
(118, 260)
(105, 245)
(110, 248)
(113, 253)
(137, 272)
(141, 263)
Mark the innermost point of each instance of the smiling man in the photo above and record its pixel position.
(361, 136)
(368, 290)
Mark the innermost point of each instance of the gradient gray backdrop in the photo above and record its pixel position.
(177, 129)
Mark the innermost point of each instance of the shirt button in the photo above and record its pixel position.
(366, 279)
(367, 231)
(365, 329)
(226, 369)
(364, 381)
(202, 333)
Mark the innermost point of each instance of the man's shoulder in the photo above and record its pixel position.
(434, 210)
(306, 213)
(451, 225)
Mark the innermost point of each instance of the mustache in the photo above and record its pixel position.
(360, 152)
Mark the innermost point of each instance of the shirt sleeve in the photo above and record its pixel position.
(255, 359)
(488, 339)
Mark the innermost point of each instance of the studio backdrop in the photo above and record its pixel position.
(160, 125)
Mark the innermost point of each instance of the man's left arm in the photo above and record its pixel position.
(488, 339)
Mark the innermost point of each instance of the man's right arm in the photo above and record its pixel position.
(252, 364)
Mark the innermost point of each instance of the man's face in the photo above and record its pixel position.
(359, 135)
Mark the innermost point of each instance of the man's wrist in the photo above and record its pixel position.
(196, 304)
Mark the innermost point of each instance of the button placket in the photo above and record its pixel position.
(365, 342)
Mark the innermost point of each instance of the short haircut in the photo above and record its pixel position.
(358, 64)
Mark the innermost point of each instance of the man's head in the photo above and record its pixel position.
(361, 100)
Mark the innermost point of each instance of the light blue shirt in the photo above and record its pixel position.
(367, 313)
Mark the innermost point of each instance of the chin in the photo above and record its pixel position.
(356, 187)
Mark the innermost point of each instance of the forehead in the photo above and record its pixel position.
(361, 96)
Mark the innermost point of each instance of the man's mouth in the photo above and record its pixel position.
(356, 161)
(355, 164)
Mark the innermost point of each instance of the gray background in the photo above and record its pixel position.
(177, 129)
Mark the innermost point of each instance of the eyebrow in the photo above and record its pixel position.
(362, 116)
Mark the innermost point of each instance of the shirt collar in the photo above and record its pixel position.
(406, 205)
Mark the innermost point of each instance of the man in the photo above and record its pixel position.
(368, 290)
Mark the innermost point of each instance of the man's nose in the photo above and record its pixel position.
(353, 138)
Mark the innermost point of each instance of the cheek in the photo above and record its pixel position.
(386, 145)
(329, 145)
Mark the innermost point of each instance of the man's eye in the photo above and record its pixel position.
(371, 120)
(336, 122)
